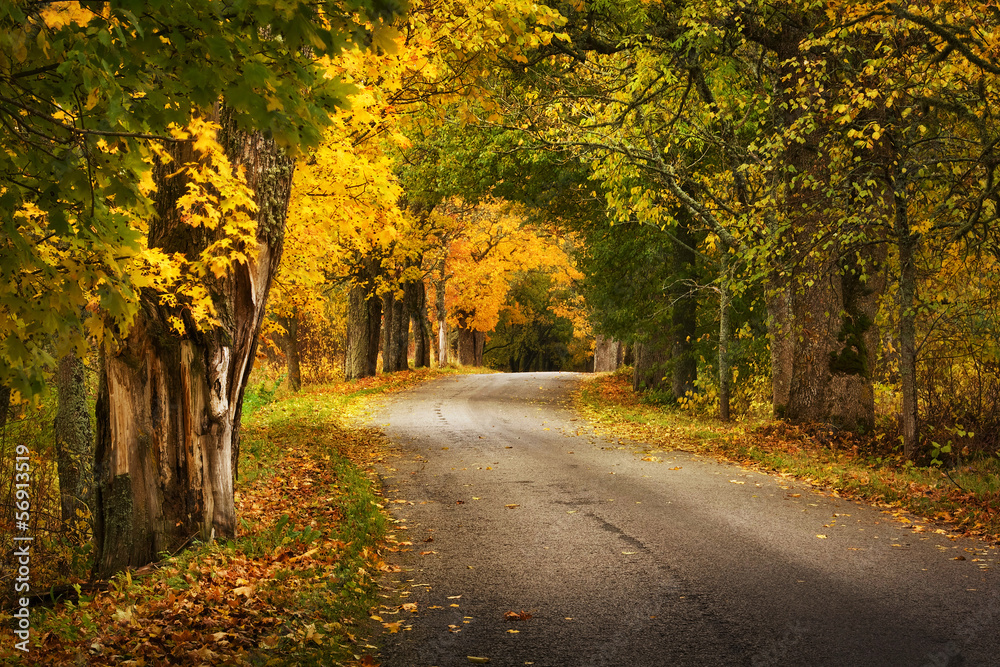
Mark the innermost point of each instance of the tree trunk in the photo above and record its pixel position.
(652, 359)
(4, 405)
(820, 315)
(388, 313)
(684, 310)
(421, 328)
(442, 315)
(400, 336)
(466, 346)
(356, 356)
(906, 244)
(291, 325)
(374, 307)
(364, 314)
(725, 330)
(169, 405)
(74, 439)
(606, 354)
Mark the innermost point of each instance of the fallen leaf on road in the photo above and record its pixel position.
(630, 553)
(511, 506)
(410, 606)
(513, 632)
(517, 616)
(675, 468)
(427, 553)
(477, 659)
(393, 627)
(733, 481)
(454, 597)
(822, 537)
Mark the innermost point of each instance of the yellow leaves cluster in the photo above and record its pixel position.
(489, 246)
(219, 201)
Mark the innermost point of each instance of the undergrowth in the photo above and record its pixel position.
(297, 584)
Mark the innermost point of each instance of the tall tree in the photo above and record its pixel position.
(74, 439)
(170, 401)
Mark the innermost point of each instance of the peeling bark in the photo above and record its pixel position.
(168, 408)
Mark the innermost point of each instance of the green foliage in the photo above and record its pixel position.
(529, 335)
(84, 91)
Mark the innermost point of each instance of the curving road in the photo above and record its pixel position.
(513, 504)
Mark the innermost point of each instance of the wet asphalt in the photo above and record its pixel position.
(508, 503)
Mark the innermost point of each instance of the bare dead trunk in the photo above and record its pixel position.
(168, 417)
(442, 315)
(74, 439)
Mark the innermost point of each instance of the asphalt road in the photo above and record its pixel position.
(513, 504)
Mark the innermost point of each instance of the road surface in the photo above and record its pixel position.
(513, 504)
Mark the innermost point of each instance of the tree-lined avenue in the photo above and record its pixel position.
(514, 504)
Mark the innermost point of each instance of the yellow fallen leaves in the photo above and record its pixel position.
(822, 537)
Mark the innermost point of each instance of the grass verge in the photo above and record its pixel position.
(966, 498)
(298, 584)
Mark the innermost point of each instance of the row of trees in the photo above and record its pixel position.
(800, 190)
(152, 156)
(823, 173)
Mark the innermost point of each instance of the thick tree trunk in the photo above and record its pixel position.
(74, 439)
(168, 417)
(420, 326)
(820, 315)
(388, 315)
(607, 354)
(356, 356)
(684, 310)
(292, 355)
(400, 342)
(652, 361)
(466, 346)
(364, 314)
